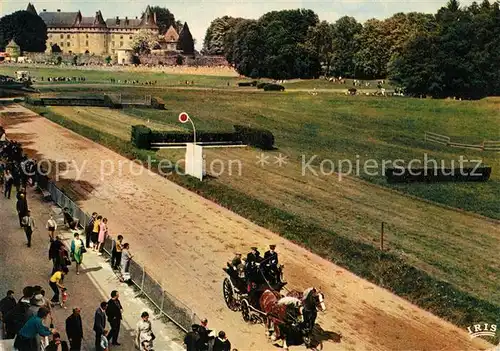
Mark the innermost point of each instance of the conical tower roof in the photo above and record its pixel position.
(148, 19)
(31, 8)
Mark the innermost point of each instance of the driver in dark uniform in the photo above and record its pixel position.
(272, 263)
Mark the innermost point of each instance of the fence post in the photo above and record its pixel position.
(382, 237)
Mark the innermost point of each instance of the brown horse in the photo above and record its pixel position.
(281, 313)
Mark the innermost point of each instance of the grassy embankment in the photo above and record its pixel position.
(363, 126)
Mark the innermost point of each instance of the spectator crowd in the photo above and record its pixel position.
(29, 319)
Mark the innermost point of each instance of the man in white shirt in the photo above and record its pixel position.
(29, 226)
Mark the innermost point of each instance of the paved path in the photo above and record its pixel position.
(30, 266)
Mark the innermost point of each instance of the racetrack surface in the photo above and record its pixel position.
(185, 240)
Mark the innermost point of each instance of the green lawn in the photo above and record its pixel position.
(347, 128)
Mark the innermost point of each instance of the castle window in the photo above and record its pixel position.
(121, 36)
(113, 43)
(121, 43)
(68, 36)
(62, 45)
(68, 44)
(87, 43)
(130, 37)
(87, 36)
(62, 36)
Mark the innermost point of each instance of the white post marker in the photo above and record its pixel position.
(194, 153)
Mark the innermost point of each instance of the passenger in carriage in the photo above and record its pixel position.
(236, 261)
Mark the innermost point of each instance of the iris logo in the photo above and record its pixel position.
(483, 329)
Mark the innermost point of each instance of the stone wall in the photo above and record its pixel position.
(83, 59)
(171, 60)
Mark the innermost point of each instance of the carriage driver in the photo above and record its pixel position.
(272, 264)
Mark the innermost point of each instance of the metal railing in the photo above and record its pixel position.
(167, 305)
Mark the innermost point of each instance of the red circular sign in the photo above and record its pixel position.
(183, 117)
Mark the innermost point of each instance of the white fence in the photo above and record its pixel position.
(487, 145)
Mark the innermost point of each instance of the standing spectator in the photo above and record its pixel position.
(29, 225)
(192, 339)
(55, 283)
(77, 251)
(100, 324)
(51, 228)
(104, 340)
(116, 252)
(144, 333)
(103, 233)
(55, 254)
(204, 334)
(22, 208)
(125, 263)
(222, 343)
(7, 304)
(26, 339)
(114, 313)
(74, 330)
(17, 317)
(89, 229)
(58, 254)
(95, 232)
(36, 303)
(8, 182)
(56, 344)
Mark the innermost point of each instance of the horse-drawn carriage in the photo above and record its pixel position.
(288, 317)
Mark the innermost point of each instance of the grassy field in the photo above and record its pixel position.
(341, 219)
(164, 79)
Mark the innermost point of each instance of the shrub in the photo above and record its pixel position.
(141, 137)
(179, 60)
(261, 138)
(261, 85)
(274, 87)
(245, 84)
(185, 137)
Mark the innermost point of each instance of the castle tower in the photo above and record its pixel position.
(31, 8)
(148, 20)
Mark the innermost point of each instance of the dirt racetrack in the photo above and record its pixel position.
(185, 240)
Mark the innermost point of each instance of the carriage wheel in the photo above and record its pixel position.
(228, 290)
(245, 310)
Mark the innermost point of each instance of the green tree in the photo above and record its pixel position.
(345, 45)
(186, 41)
(27, 29)
(144, 41)
(164, 18)
(374, 50)
(215, 37)
(320, 41)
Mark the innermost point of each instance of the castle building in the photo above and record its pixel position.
(76, 34)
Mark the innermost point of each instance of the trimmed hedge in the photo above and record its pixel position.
(141, 137)
(185, 137)
(248, 84)
(261, 138)
(274, 87)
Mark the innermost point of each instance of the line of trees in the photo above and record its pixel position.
(454, 52)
